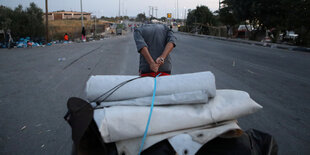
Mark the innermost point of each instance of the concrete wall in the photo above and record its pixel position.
(67, 15)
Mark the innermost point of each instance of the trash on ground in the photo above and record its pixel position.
(62, 59)
(23, 128)
(250, 72)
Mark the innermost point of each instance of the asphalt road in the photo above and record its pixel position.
(34, 87)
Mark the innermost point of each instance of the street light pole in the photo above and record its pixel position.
(46, 20)
(95, 26)
(177, 9)
(82, 13)
(119, 8)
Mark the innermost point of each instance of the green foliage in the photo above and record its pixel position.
(22, 22)
(200, 16)
(280, 15)
(141, 17)
(226, 17)
(111, 19)
(163, 19)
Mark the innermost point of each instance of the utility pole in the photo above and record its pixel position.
(123, 8)
(119, 8)
(177, 9)
(95, 26)
(152, 11)
(184, 13)
(82, 13)
(46, 20)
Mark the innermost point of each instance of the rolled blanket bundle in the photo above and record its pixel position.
(183, 102)
(118, 123)
(174, 89)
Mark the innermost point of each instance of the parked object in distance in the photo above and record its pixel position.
(243, 30)
(119, 29)
(288, 35)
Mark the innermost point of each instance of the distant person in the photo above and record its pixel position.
(154, 43)
(29, 43)
(83, 34)
(229, 31)
(8, 38)
(66, 37)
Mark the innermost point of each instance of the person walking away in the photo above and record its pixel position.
(8, 39)
(154, 43)
(83, 34)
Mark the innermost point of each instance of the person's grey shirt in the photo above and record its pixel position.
(154, 37)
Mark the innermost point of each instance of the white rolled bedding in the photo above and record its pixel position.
(118, 123)
(174, 89)
(182, 102)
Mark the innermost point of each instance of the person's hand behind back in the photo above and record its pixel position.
(154, 67)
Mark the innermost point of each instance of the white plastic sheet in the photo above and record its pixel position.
(189, 139)
(177, 89)
(118, 123)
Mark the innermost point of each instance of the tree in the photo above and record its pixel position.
(141, 17)
(22, 23)
(35, 21)
(280, 15)
(201, 15)
(163, 19)
(226, 17)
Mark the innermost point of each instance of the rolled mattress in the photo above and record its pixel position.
(118, 123)
(175, 88)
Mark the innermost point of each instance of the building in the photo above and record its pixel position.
(62, 15)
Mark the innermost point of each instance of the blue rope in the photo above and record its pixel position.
(150, 115)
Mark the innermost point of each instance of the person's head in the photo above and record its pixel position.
(66, 34)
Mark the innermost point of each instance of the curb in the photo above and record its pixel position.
(264, 44)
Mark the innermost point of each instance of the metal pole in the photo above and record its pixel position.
(82, 13)
(152, 11)
(184, 13)
(46, 20)
(177, 9)
(119, 8)
(95, 26)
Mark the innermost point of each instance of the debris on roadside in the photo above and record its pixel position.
(250, 71)
(27, 42)
(23, 128)
(62, 59)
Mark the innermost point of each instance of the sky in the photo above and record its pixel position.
(110, 8)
